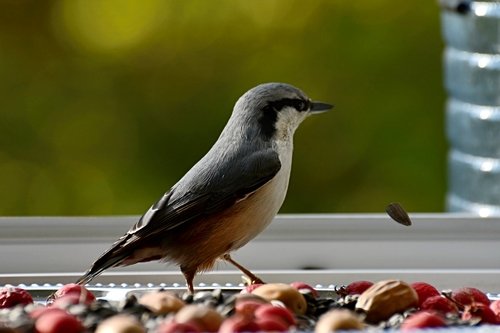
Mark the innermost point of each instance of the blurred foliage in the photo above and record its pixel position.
(105, 104)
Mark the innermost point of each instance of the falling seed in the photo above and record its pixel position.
(398, 213)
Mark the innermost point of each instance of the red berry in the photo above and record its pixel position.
(12, 296)
(58, 322)
(270, 311)
(469, 295)
(272, 324)
(480, 310)
(83, 294)
(38, 311)
(69, 299)
(299, 285)
(424, 291)
(439, 304)
(247, 307)
(238, 323)
(174, 327)
(358, 287)
(495, 307)
(422, 319)
(251, 287)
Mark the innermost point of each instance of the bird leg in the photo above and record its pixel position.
(189, 277)
(252, 277)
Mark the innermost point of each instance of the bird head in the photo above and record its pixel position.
(274, 110)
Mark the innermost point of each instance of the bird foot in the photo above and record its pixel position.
(249, 277)
(248, 281)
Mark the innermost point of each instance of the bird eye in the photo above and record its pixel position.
(302, 105)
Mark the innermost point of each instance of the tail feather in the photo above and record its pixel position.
(113, 257)
(97, 268)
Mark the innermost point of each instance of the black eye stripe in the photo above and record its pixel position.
(269, 115)
(297, 103)
(267, 121)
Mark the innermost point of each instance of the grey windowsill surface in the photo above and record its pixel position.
(447, 249)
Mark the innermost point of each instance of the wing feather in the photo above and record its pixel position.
(206, 193)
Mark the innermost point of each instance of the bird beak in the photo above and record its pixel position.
(319, 107)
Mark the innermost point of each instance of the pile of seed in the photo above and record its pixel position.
(276, 307)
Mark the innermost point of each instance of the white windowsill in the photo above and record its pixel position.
(447, 249)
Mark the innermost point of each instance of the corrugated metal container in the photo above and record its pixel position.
(471, 30)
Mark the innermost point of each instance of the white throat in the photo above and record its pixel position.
(286, 124)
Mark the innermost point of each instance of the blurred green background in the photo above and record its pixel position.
(105, 104)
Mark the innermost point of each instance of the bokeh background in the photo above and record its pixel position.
(104, 104)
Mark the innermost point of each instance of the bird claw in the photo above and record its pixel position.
(249, 280)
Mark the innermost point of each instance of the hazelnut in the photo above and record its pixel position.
(120, 324)
(162, 302)
(285, 293)
(386, 298)
(338, 320)
(206, 318)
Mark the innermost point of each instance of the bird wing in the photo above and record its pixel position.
(207, 193)
(210, 193)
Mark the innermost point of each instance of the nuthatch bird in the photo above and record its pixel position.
(228, 197)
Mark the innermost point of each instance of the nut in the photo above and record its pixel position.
(121, 323)
(386, 298)
(206, 318)
(285, 293)
(338, 320)
(162, 302)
